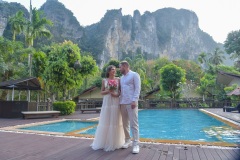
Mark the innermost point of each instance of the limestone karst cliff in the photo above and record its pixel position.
(170, 32)
(165, 32)
(66, 26)
(6, 11)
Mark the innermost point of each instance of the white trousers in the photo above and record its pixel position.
(130, 120)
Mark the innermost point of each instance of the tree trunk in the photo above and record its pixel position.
(64, 95)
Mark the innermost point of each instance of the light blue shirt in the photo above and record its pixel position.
(130, 87)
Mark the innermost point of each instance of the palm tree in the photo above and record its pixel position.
(202, 58)
(36, 27)
(17, 23)
(217, 57)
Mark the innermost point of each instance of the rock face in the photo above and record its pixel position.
(6, 11)
(166, 32)
(3, 25)
(66, 26)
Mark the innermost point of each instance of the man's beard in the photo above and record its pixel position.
(123, 71)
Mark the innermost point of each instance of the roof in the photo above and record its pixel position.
(235, 92)
(31, 83)
(152, 91)
(225, 78)
(88, 90)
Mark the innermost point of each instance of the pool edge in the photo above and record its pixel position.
(143, 140)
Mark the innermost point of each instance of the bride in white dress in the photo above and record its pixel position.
(109, 134)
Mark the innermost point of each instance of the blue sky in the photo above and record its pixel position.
(216, 17)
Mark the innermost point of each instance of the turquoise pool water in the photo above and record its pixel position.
(179, 124)
(184, 125)
(61, 127)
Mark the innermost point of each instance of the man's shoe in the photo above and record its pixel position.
(135, 149)
(127, 144)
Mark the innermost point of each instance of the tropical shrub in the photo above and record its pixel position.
(66, 107)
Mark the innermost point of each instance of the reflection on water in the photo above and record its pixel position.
(223, 133)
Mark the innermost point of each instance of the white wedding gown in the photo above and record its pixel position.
(109, 133)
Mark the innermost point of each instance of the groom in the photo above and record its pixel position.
(130, 91)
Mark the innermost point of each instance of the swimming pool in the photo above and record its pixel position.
(62, 126)
(181, 124)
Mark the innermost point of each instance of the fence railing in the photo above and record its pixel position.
(88, 104)
(189, 103)
(44, 106)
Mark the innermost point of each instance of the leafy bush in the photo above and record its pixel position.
(183, 105)
(204, 105)
(65, 108)
(161, 105)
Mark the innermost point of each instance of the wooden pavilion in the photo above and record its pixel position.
(13, 109)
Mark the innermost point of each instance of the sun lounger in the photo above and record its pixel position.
(91, 109)
(40, 114)
(230, 108)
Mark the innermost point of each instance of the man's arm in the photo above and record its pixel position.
(137, 87)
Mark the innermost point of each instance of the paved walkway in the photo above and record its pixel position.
(235, 116)
(22, 146)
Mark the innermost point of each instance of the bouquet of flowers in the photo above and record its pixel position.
(112, 84)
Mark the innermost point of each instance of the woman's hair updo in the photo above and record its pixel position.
(109, 68)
